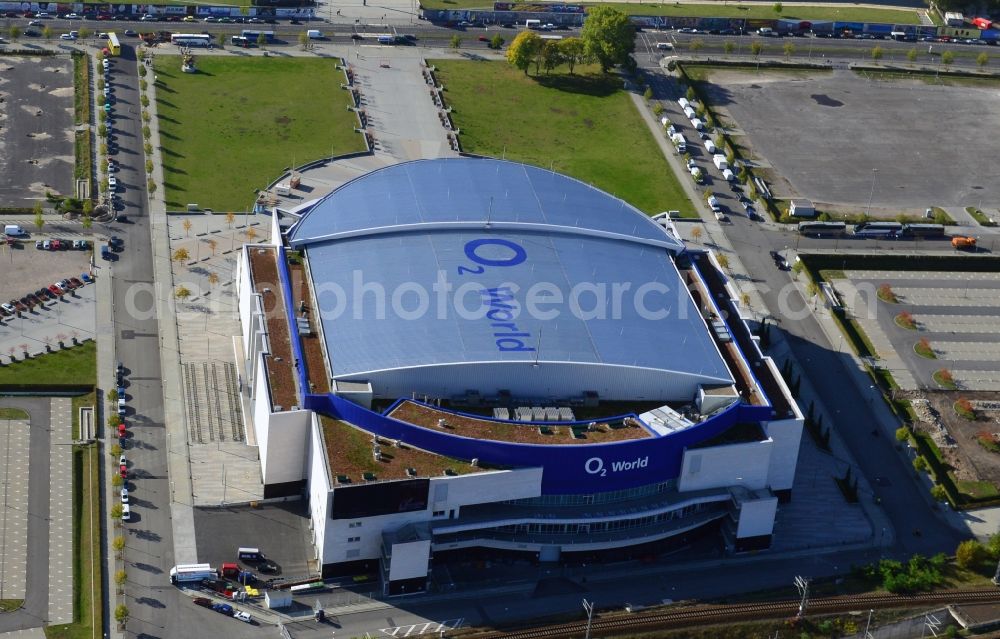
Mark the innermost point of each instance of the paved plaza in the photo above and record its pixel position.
(14, 464)
(225, 465)
(61, 512)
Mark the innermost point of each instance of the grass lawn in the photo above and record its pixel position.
(76, 365)
(233, 126)
(977, 489)
(13, 413)
(7, 605)
(834, 12)
(87, 596)
(982, 218)
(582, 125)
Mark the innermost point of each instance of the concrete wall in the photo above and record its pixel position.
(787, 436)
(318, 486)
(261, 411)
(733, 465)
(446, 493)
(409, 560)
(287, 448)
(757, 517)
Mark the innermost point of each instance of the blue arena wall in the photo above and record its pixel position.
(567, 469)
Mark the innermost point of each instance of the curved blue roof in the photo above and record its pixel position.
(456, 262)
(472, 190)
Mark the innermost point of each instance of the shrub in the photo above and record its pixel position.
(902, 434)
(885, 293)
(970, 553)
(905, 319)
(964, 409)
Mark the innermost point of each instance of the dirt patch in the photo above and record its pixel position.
(264, 269)
(969, 460)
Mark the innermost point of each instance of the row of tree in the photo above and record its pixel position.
(607, 38)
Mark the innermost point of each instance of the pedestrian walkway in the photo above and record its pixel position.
(30, 633)
(396, 99)
(14, 468)
(61, 512)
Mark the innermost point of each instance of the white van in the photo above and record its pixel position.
(710, 147)
(314, 34)
(533, 24)
(690, 113)
(664, 46)
(729, 175)
(13, 230)
(697, 124)
(684, 103)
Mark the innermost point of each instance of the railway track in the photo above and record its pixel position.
(707, 614)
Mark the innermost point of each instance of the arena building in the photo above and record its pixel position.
(481, 357)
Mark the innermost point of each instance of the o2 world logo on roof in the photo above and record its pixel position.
(502, 306)
(595, 465)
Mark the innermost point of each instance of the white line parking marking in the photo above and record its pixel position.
(430, 626)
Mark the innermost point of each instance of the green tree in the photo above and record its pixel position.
(112, 395)
(728, 47)
(902, 434)
(496, 42)
(696, 45)
(39, 219)
(993, 546)
(115, 450)
(120, 578)
(262, 41)
(523, 50)
(970, 553)
(86, 221)
(116, 512)
(919, 464)
(690, 94)
(220, 41)
(911, 55)
(982, 59)
(121, 613)
(789, 49)
(118, 544)
(14, 32)
(608, 36)
(47, 32)
(947, 58)
(756, 48)
(551, 55)
(182, 293)
(573, 51)
(938, 493)
(117, 481)
(877, 53)
(85, 33)
(303, 41)
(777, 7)
(456, 42)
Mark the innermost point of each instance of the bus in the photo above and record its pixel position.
(254, 34)
(240, 41)
(191, 39)
(819, 229)
(878, 229)
(924, 230)
(114, 46)
(183, 573)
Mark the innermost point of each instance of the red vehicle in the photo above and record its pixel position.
(123, 470)
(982, 23)
(229, 570)
(56, 245)
(55, 290)
(121, 430)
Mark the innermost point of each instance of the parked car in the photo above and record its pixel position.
(44, 294)
(225, 609)
(75, 283)
(124, 495)
(55, 290)
(67, 36)
(116, 242)
(87, 279)
(130, 33)
(204, 602)
(123, 471)
(126, 512)
(243, 616)
(8, 309)
(81, 245)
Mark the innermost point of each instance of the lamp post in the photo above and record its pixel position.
(589, 607)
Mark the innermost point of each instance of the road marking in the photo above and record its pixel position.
(431, 626)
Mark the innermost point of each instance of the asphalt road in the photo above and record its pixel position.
(157, 609)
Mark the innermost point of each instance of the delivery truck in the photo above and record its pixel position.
(720, 162)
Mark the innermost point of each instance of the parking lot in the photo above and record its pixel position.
(281, 531)
(27, 269)
(825, 134)
(36, 128)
